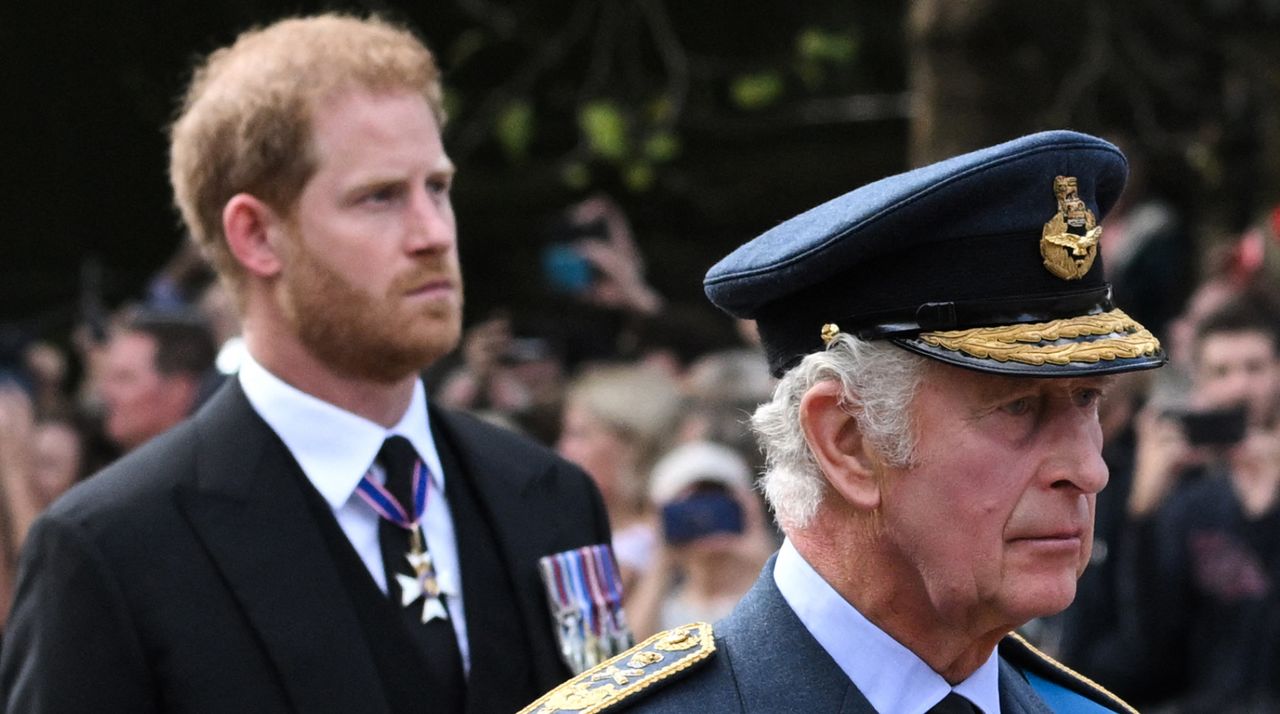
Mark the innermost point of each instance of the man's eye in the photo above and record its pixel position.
(1088, 397)
(438, 186)
(1017, 407)
(382, 195)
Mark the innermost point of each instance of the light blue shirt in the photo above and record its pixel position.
(892, 678)
(335, 449)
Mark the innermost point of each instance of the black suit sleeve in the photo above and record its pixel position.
(71, 644)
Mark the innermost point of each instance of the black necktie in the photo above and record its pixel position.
(953, 704)
(436, 639)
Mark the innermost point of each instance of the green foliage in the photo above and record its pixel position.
(660, 110)
(453, 103)
(469, 43)
(639, 176)
(816, 45)
(605, 128)
(818, 50)
(514, 129)
(757, 90)
(615, 86)
(661, 147)
(576, 175)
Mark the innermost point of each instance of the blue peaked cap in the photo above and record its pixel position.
(987, 261)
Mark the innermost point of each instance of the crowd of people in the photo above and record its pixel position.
(1178, 611)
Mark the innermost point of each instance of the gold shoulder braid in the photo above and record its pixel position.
(1119, 337)
(631, 672)
(1071, 672)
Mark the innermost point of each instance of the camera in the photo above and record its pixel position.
(1215, 427)
(705, 512)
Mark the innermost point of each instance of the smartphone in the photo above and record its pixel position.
(702, 514)
(566, 270)
(1217, 427)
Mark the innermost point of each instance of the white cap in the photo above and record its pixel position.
(696, 462)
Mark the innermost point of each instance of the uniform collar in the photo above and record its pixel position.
(890, 676)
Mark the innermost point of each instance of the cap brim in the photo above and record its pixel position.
(1104, 343)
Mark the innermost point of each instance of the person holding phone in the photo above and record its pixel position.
(714, 538)
(1203, 562)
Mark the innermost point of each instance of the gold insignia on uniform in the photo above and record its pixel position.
(1069, 242)
(830, 332)
(1114, 335)
(678, 640)
(604, 685)
(619, 676)
(644, 659)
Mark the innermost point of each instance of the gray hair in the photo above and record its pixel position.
(878, 382)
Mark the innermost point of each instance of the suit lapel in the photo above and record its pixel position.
(1016, 694)
(525, 523)
(496, 629)
(247, 508)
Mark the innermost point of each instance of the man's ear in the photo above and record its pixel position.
(252, 229)
(837, 443)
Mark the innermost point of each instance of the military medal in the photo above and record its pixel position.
(584, 591)
(423, 584)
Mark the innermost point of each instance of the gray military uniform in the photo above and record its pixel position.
(762, 659)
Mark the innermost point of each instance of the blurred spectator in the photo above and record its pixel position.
(598, 298)
(153, 374)
(176, 285)
(724, 388)
(1205, 558)
(218, 307)
(517, 379)
(57, 460)
(1147, 252)
(47, 366)
(602, 236)
(617, 421)
(678, 337)
(17, 508)
(714, 539)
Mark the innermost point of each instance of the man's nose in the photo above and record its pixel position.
(1075, 459)
(430, 223)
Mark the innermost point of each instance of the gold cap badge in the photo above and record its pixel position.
(1069, 242)
(830, 332)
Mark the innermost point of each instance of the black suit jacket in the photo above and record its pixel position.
(190, 576)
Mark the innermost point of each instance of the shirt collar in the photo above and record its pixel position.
(334, 447)
(890, 676)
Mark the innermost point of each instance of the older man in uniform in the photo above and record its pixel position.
(943, 338)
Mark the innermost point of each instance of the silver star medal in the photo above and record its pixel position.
(423, 584)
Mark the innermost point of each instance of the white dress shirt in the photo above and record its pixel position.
(889, 675)
(335, 449)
